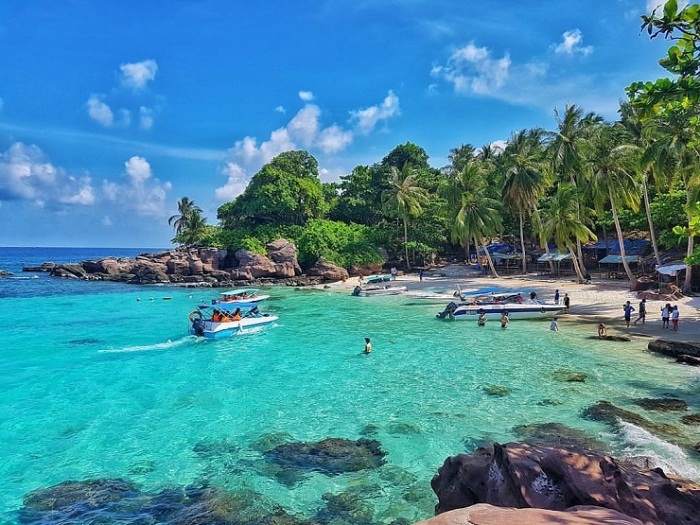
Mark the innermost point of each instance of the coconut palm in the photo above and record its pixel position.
(561, 222)
(185, 208)
(525, 178)
(404, 198)
(611, 171)
(474, 216)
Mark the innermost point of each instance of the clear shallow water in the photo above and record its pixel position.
(97, 383)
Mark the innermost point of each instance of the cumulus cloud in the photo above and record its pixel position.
(280, 109)
(367, 119)
(306, 96)
(571, 44)
(145, 118)
(137, 74)
(472, 69)
(142, 193)
(27, 175)
(304, 130)
(100, 112)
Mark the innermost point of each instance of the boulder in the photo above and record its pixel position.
(484, 514)
(178, 267)
(366, 269)
(328, 271)
(254, 264)
(674, 348)
(196, 266)
(284, 253)
(72, 271)
(554, 478)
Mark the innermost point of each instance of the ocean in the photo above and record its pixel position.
(101, 381)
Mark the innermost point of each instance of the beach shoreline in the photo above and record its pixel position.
(601, 301)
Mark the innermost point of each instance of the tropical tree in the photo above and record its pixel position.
(404, 199)
(611, 165)
(185, 208)
(562, 222)
(196, 228)
(525, 177)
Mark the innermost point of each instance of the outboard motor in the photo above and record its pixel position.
(198, 327)
(448, 311)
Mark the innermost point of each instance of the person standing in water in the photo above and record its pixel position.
(554, 327)
(567, 302)
(504, 320)
(368, 346)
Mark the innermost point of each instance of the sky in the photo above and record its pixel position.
(110, 112)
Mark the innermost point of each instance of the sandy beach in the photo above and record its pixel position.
(591, 304)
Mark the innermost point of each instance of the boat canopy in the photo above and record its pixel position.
(228, 307)
(240, 291)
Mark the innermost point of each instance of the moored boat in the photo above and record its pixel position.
(370, 279)
(525, 310)
(221, 320)
(242, 295)
(372, 291)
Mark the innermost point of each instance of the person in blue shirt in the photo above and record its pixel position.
(628, 309)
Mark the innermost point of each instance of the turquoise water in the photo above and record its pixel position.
(102, 381)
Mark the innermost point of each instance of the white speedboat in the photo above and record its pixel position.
(242, 295)
(221, 320)
(372, 279)
(524, 310)
(377, 290)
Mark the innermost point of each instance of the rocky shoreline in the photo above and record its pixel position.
(201, 267)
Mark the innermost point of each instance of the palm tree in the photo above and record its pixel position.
(404, 198)
(185, 207)
(561, 222)
(567, 143)
(474, 216)
(524, 176)
(611, 165)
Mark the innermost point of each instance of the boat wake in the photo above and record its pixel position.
(670, 457)
(157, 346)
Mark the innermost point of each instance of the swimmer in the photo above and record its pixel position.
(368, 346)
(602, 330)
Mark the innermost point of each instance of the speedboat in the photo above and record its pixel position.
(525, 310)
(371, 279)
(242, 295)
(221, 320)
(372, 291)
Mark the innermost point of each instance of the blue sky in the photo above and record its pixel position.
(112, 111)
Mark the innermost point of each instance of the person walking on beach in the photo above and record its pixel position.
(556, 296)
(642, 312)
(665, 315)
(394, 272)
(628, 309)
(674, 318)
(368, 346)
(567, 302)
(420, 274)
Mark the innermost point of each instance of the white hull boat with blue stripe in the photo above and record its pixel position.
(525, 310)
(221, 320)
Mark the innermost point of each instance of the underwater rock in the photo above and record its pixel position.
(270, 440)
(569, 376)
(215, 448)
(674, 348)
(402, 429)
(557, 478)
(691, 419)
(369, 430)
(558, 434)
(496, 390)
(330, 456)
(345, 508)
(549, 402)
(663, 403)
(608, 413)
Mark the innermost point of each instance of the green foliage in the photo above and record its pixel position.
(189, 224)
(344, 244)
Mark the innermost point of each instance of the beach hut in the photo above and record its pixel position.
(557, 258)
(613, 265)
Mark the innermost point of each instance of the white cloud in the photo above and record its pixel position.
(27, 175)
(236, 182)
(99, 111)
(106, 221)
(280, 109)
(306, 96)
(571, 44)
(304, 130)
(141, 194)
(145, 118)
(136, 75)
(368, 118)
(471, 69)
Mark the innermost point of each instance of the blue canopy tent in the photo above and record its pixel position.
(556, 258)
(615, 269)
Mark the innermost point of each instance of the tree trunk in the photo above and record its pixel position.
(652, 234)
(546, 245)
(405, 243)
(574, 261)
(621, 241)
(691, 243)
(522, 242)
(490, 261)
(579, 251)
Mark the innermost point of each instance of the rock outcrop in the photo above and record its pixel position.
(521, 475)
(688, 353)
(198, 266)
(328, 271)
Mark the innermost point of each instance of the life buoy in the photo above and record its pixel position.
(195, 314)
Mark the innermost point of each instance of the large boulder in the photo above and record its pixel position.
(557, 478)
(484, 514)
(327, 271)
(284, 254)
(253, 264)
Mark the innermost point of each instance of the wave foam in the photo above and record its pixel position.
(146, 348)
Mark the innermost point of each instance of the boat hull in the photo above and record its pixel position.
(515, 311)
(215, 330)
(379, 291)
